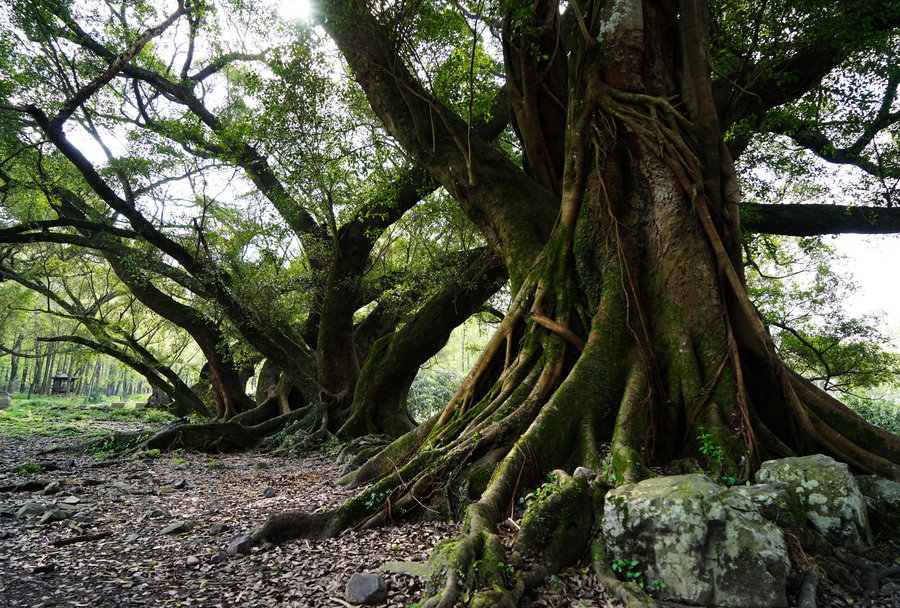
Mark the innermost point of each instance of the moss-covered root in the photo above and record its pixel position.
(473, 572)
(630, 594)
(554, 533)
(557, 524)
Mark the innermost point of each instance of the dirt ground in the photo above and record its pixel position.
(222, 496)
(128, 559)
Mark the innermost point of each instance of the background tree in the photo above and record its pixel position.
(334, 190)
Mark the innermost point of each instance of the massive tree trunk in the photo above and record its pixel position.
(630, 329)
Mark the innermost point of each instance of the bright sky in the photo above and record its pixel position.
(294, 9)
(874, 262)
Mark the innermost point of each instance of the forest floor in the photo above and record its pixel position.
(118, 510)
(129, 503)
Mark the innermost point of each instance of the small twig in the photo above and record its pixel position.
(61, 542)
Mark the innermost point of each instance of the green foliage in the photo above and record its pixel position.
(28, 467)
(431, 390)
(712, 451)
(878, 408)
(802, 299)
(541, 492)
(628, 570)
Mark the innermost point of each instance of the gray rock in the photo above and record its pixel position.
(125, 487)
(269, 492)
(239, 544)
(192, 561)
(178, 527)
(132, 538)
(52, 488)
(70, 500)
(708, 544)
(583, 472)
(65, 464)
(5, 400)
(882, 496)
(219, 558)
(182, 485)
(217, 528)
(775, 502)
(157, 514)
(829, 495)
(83, 517)
(52, 515)
(31, 509)
(365, 588)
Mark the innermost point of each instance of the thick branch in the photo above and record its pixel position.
(812, 220)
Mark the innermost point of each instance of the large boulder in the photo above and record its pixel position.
(883, 499)
(5, 400)
(697, 542)
(829, 495)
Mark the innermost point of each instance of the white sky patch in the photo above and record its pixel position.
(874, 262)
(295, 10)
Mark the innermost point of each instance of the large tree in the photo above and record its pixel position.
(630, 325)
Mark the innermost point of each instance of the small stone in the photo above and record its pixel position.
(261, 465)
(583, 472)
(83, 517)
(192, 562)
(125, 487)
(65, 464)
(70, 500)
(217, 528)
(178, 527)
(43, 569)
(131, 538)
(182, 485)
(157, 514)
(890, 587)
(239, 544)
(219, 558)
(31, 509)
(365, 588)
(53, 515)
(269, 492)
(52, 488)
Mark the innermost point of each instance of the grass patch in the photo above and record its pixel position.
(68, 417)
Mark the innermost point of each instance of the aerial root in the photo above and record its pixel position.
(808, 590)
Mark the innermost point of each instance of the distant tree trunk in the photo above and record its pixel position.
(24, 381)
(48, 370)
(14, 364)
(95, 376)
(36, 375)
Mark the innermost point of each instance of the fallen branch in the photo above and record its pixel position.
(62, 542)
